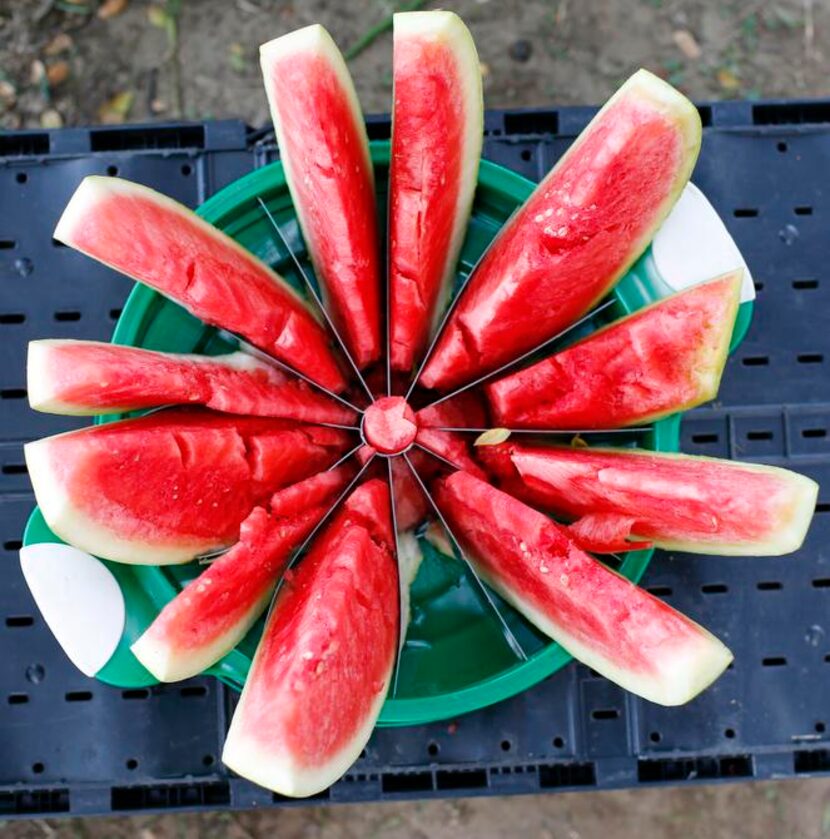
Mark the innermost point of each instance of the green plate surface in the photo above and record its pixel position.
(455, 659)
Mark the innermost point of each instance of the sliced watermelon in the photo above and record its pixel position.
(678, 502)
(573, 239)
(325, 152)
(665, 358)
(163, 488)
(322, 670)
(83, 378)
(214, 612)
(158, 242)
(437, 130)
(598, 616)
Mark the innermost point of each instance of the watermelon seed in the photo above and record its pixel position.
(38, 768)
(433, 749)
(21, 177)
(655, 737)
(558, 742)
(506, 745)
(112, 171)
(729, 732)
(132, 763)
(208, 760)
(820, 727)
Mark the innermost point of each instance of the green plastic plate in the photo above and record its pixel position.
(455, 659)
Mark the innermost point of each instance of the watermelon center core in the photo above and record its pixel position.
(389, 425)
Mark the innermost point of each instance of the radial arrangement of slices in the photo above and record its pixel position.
(303, 463)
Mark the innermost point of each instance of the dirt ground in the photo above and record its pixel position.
(85, 61)
(71, 62)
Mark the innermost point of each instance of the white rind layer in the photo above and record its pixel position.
(39, 379)
(76, 528)
(449, 29)
(169, 663)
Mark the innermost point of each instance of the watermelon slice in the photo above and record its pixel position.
(325, 152)
(598, 616)
(576, 235)
(168, 486)
(678, 502)
(214, 612)
(323, 667)
(158, 242)
(437, 130)
(83, 378)
(665, 358)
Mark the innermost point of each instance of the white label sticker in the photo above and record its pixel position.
(693, 245)
(80, 600)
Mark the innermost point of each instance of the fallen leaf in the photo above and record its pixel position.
(111, 8)
(158, 16)
(51, 118)
(7, 92)
(57, 73)
(116, 109)
(687, 44)
(727, 79)
(236, 57)
(37, 72)
(492, 437)
(62, 42)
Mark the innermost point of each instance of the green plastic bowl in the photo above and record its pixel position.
(455, 659)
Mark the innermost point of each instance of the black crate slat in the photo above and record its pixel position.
(764, 167)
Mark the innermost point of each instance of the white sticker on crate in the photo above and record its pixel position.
(693, 245)
(79, 599)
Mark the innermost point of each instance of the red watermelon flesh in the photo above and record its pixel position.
(214, 612)
(92, 377)
(161, 243)
(576, 235)
(168, 486)
(678, 502)
(323, 666)
(598, 616)
(605, 534)
(461, 411)
(665, 358)
(436, 144)
(312, 492)
(325, 152)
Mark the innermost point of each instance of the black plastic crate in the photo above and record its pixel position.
(72, 745)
